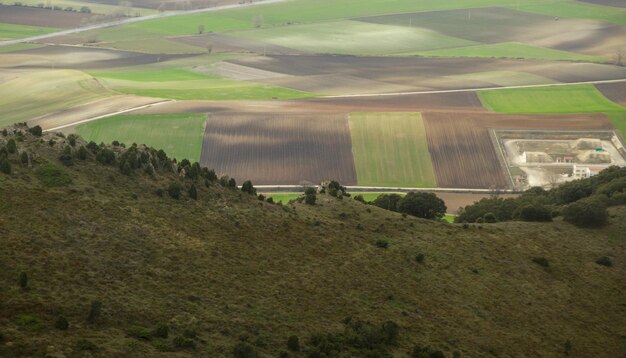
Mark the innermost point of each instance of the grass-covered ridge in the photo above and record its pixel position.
(115, 266)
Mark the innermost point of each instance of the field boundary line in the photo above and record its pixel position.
(108, 115)
(461, 90)
(137, 19)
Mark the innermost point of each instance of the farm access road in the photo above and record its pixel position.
(136, 19)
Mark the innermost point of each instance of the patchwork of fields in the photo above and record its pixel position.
(307, 90)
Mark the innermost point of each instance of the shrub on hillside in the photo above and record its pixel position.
(52, 176)
(503, 209)
(383, 244)
(181, 342)
(388, 201)
(5, 166)
(589, 212)
(541, 261)
(534, 212)
(36, 131)
(490, 218)
(105, 156)
(23, 280)
(422, 205)
(293, 343)
(244, 350)
(174, 190)
(419, 351)
(247, 187)
(232, 183)
(24, 157)
(95, 310)
(193, 192)
(310, 195)
(66, 156)
(62, 324)
(604, 261)
(11, 146)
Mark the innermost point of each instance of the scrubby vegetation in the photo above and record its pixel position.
(582, 202)
(124, 260)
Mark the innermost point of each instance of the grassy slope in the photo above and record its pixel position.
(390, 149)
(152, 75)
(14, 31)
(18, 47)
(561, 99)
(36, 93)
(511, 50)
(303, 11)
(232, 268)
(578, 10)
(180, 135)
(354, 38)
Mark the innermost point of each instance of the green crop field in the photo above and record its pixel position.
(354, 38)
(180, 135)
(209, 89)
(153, 75)
(18, 47)
(36, 93)
(511, 50)
(390, 149)
(560, 99)
(304, 11)
(576, 9)
(13, 31)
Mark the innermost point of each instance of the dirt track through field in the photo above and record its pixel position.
(279, 148)
(462, 151)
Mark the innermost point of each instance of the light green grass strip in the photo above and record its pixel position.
(18, 47)
(354, 38)
(153, 75)
(304, 11)
(13, 31)
(560, 99)
(577, 10)
(511, 50)
(179, 135)
(390, 149)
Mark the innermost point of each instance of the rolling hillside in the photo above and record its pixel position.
(98, 263)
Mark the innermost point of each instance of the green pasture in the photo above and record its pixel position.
(505, 78)
(18, 47)
(354, 38)
(511, 50)
(179, 135)
(575, 9)
(33, 94)
(209, 89)
(304, 11)
(95, 7)
(558, 99)
(390, 149)
(14, 31)
(153, 75)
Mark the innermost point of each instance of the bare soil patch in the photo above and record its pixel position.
(279, 148)
(42, 17)
(616, 92)
(454, 201)
(462, 150)
(80, 58)
(616, 3)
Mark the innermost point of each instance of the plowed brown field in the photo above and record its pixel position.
(616, 92)
(462, 151)
(42, 17)
(279, 148)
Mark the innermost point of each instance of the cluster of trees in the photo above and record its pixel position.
(581, 202)
(83, 9)
(421, 205)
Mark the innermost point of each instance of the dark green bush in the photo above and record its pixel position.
(52, 176)
(293, 343)
(23, 280)
(24, 157)
(5, 166)
(247, 187)
(244, 350)
(140, 332)
(161, 331)
(181, 342)
(95, 310)
(174, 190)
(85, 345)
(420, 258)
(11, 146)
(72, 139)
(490, 218)
(382, 244)
(589, 212)
(422, 205)
(541, 261)
(604, 261)
(310, 195)
(66, 156)
(105, 156)
(534, 212)
(388, 201)
(36, 131)
(232, 183)
(193, 192)
(82, 153)
(62, 324)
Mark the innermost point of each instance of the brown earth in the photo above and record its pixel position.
(224, 43)
(278, 148)
(616, 92)
(454, 201)
(170, 4)
(32, 16)
(462, 151)
(616, 3)
(385, 74)
(79, 58)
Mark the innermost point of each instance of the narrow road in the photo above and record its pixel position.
(473, 89)
(135, 19)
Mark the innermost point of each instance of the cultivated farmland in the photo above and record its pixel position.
(182, 138)
(390, 149)
(279, 148)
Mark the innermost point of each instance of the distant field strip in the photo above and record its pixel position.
(179, 135)
(14, 31)
(390, 149)
(279, 148)
(505, 78)
(575, 9)
(511, 50)
(354, 38)
(562, 99)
